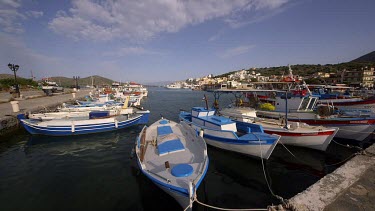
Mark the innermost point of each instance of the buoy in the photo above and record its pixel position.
(201, 132)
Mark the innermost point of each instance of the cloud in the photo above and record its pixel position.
(10, 3)
(131, 51)
(142, 20)
(34, 14)
(236, 51)
(257, 11)
(11, 18)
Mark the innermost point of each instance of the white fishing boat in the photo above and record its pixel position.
(173, 157)
(174, 86)
(354, 124)
(222, 132)
(292, 133)
(75, 113)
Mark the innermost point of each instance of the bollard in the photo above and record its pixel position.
(15, 106)
(74, 95)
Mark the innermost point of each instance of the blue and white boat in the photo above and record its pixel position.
(174, 157)
(95, 122)
(224, 133)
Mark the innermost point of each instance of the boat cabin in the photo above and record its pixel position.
(293, 103)
(207, 118)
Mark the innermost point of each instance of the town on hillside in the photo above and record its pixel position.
(360, 77)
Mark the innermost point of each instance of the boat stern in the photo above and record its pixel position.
(145, 116)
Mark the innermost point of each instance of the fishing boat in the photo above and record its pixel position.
(95, 122)
(342, 97)
(355, 125)
(292, 133)
(82, 113)
(224, 133)
(173, 157)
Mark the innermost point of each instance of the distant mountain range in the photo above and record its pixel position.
(370, 57)
(68, 82)
(95, 80)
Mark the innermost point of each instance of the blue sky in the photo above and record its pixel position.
(169, 40)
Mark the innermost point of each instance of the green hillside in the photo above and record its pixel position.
(370, 57)
(68, 82)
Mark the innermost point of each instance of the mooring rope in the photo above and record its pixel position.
(251, 209)
(265, 175)
(220, 208)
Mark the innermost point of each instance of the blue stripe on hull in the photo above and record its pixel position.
(81, 129)
(238, 141)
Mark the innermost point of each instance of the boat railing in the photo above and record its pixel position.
(143, 146)
(201, 171)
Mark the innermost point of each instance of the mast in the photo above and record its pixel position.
(205, 99)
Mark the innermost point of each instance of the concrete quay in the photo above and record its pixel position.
(350, 187)
(31, 101)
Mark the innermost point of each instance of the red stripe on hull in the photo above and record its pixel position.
(362, 102)
(337, 122)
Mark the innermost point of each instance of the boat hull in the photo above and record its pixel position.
(258, 149)
(357, 129)
(159, 166)
(81, 127)
(256, 145)
(314, 140)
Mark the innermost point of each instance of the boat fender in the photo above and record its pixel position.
(201, 132)
(191, 194)
(116, 123)
(73, 128)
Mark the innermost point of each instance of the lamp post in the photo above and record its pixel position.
(76, 78)
(14, 68)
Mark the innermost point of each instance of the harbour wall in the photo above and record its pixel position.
(332, 190)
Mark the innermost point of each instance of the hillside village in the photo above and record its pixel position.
(362, 77)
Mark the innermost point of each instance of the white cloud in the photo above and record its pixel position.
(257, 11)
(141, 20)
(34, 14)
(131, 51)
(236, 51)
(10, 3)
(11, 18)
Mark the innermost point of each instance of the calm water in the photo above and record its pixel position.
(97, 172)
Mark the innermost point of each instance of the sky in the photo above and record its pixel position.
(170, 40)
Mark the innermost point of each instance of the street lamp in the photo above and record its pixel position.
(76, 78)
(14, 68)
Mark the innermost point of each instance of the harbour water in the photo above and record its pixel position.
(98, 172)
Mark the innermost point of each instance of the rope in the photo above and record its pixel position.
(265, 175)
(252, 209)
(299, 159)
(344, 159)
(219, 208)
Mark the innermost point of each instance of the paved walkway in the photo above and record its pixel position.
(34, 100)
(350, 187)
(359, 196)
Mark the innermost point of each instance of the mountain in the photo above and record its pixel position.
(370, 57)
(95, 80)
(5, 76)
